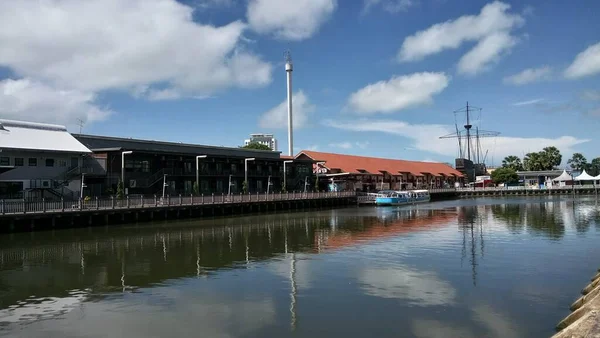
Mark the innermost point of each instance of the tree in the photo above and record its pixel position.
(196, 189)
(593, 168)
(577, 162)
(505, 175)
(513, 162)
(533, 162)
(245, 187)
(551, 157)
(256, 146)
(120, 190)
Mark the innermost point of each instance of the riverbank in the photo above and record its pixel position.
(584, 321)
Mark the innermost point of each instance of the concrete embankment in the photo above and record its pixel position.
(584, 321)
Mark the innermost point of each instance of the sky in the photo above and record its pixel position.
(371, 77)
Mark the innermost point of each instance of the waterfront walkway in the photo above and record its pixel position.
(10, 208)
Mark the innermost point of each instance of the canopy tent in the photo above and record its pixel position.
(563, 177)
(585, 177)
(597, 178)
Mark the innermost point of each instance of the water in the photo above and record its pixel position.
(468, 268)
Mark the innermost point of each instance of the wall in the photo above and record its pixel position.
(41, 171)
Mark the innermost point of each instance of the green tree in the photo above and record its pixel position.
(533, 162)
(245, 187)
(551, 157)
(577, 162)
(120, 190)
(256, 146)
(593, 168)
(513, 162)
(505, 175)
(196, 189)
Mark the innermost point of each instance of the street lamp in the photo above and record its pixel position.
(269, 184)
(285, 174)
(123, 166)
(83, 185)
(246, 171)
(230, 184)
(164, 185)
(198, 170)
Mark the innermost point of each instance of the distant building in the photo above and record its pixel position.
(266, 139)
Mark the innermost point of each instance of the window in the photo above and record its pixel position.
(49, 162)
(219, 168)
(188, 167)
(19, 162)
(11, 190)
(258, 168)
(4, 160)
(233, 168)
(32, 162)
(62, 163)
(219, 186)
(270, 169)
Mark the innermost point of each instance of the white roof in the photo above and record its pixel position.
(21, 135)
(563, 177)
(584, 177)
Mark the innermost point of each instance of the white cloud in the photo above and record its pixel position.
(585, 64)
(206, 4)
(350, 145)
(120, 44)
(425, 137)
(486, 53)
(591, 95)
(398, 93)
(27, 99)
(297, 20)
(491, 28)
(419, 288)
(529, 75)
(528, 102)
(390, 6)
(276, 118)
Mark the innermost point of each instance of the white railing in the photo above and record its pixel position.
(530, 188)
(25, 207)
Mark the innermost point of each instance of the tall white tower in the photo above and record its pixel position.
(288, 69)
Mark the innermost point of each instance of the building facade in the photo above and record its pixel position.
(220, 170)
(39, 161)
(358, 173)
(265, 139)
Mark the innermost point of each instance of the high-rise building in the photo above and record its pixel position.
(266, 139)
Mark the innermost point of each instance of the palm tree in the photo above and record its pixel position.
(577, 162)
(513, 162)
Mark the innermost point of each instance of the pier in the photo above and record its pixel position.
(26, 216)
(523, 191)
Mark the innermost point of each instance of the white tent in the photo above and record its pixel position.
(563, 177)
(584, 177)
(597, 178)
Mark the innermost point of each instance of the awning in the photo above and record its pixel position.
(4, 169)
(563, 177)
(584, 177)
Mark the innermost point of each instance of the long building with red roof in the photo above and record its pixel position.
(350, 172)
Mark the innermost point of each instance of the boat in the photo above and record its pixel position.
(404, 197)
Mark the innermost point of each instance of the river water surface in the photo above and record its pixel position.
(465, 268)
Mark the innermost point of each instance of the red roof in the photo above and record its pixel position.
(286, 157)
(375, 166)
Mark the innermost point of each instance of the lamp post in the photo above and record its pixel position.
(82, 186)
(123, 166)
(198, 170)
(164, 186)
(246, 171)
(285, 174)
(269, 183)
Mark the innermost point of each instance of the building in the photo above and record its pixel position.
(220, 170)
(348, 172)
(39, 161)
(540, 178)
(266, 139)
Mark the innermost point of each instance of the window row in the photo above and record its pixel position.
(31, 162)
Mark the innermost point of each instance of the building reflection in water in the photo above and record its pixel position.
(107, 260)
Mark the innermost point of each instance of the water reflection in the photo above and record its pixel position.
(269, 275)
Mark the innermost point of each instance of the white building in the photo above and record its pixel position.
(39, 161)
(266, 139)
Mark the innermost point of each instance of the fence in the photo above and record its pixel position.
(530, 188)
(25, 207)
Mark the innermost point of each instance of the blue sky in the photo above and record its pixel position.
(371, 77)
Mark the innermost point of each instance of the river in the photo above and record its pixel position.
(463, 268)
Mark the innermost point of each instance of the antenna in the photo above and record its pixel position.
(80, 124)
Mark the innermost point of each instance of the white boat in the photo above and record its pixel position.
(392, 197)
